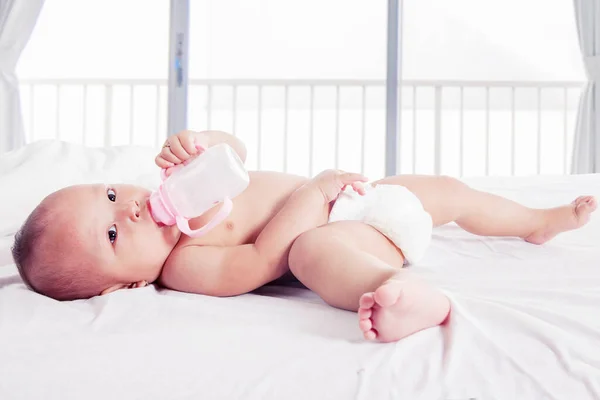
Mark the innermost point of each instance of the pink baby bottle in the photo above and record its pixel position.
(215, 176)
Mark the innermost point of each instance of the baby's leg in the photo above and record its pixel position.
(448, 199)
(354, 267)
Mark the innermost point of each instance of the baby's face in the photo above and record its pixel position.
(113, 224)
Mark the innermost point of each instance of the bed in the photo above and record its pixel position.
(524, 323)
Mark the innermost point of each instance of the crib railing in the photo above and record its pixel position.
(460, 128)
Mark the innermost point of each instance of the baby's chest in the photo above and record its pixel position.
(233, 231)
(242, 226)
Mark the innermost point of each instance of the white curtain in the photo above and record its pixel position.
(17, 19)
(586, 147)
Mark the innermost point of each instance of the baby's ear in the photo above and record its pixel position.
(114, 288)
(119, 286)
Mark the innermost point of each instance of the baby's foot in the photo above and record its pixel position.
(565, 218)
(400, 308)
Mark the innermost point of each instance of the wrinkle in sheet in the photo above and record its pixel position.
(467, 317)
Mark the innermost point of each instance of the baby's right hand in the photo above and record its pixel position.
(179, 148)
(331, 182)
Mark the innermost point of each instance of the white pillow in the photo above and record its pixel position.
(30, 173)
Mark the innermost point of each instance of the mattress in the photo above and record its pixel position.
(524, 322)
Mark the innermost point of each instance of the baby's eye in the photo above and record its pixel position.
(112, 234)
(112, 195)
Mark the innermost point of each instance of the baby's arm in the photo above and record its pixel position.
(229, 271)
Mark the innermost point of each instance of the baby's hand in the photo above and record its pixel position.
(180, 148)
(331, 182)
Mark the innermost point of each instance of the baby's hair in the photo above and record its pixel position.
(49, 268)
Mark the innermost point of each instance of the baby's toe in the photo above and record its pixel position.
(586, 206)
(365, 325)
(370, 335)
(588, 200)
(367, 300)
(364, 313)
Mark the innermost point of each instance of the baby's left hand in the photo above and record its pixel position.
(332, 182)
(180, 149)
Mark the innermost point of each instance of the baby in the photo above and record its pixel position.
(89, 240)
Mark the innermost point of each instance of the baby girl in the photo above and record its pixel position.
(89, 240)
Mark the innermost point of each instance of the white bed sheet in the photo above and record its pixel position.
(524, 323)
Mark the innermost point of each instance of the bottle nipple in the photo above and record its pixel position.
(159, 210)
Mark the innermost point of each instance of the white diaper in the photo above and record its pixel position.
(391, 209)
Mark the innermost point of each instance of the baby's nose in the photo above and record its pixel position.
(133, 209)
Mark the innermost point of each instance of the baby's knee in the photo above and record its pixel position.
(456, 195)
(451, 184)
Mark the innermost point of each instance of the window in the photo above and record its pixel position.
(519, 117)
(272, 58)
(87, 59)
